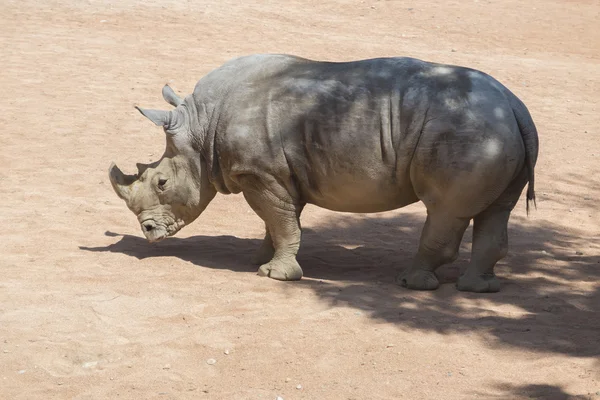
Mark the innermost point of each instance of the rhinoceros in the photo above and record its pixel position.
(362, 136)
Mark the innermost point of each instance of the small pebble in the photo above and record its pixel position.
(22, 371)
(167, 366)
(389, 345)
(288, 379)
(211, 361)
(279, 398)
(299, 387)
(226, 352)
(60, 383)
(453, 50)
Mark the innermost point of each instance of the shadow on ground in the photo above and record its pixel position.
(352, 261)
(545, 392)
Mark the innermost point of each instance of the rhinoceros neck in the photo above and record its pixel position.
(204, 132)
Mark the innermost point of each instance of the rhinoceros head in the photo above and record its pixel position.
(172, 192)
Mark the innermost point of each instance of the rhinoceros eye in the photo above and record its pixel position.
(161, 183)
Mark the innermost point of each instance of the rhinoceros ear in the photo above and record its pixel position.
(170, 96)
(141, 168)
(159, 117)
(120, 182)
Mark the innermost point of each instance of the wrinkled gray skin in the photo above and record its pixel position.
(365, 136)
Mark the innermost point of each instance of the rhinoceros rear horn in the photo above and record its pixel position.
(170, 96)
(159, 117)
(120, 182)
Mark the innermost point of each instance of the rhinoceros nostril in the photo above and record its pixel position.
(148, 227)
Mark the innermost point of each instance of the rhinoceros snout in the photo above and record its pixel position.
(154, 232)
(148, 226)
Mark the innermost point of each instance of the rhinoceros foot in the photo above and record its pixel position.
(485, 283)
(281, 270)
(418, 279)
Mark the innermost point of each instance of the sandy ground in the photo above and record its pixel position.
(89, 310)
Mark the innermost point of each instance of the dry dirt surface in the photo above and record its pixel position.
(90, 310)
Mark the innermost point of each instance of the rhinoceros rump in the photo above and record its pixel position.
(364, 136)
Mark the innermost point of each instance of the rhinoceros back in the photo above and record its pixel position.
(339, 135)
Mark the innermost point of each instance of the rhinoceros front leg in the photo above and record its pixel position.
(266, 251)
(282, 219)
(439, 245)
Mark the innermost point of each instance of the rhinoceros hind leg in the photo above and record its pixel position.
(490, 245)
(439, 244)
(265, 252)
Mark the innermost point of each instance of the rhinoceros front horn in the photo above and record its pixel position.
(121, 183)
(159, 117)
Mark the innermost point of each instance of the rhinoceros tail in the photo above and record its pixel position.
(530, 139)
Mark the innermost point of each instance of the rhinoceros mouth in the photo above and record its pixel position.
(156, 231)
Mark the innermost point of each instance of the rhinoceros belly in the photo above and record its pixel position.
(359, 196)
(350, 182)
